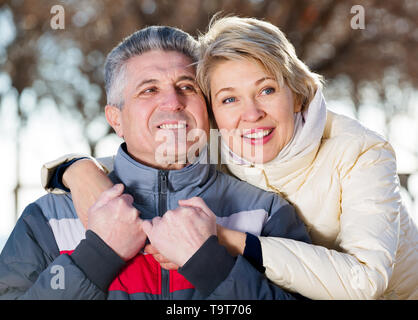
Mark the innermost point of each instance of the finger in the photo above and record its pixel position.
(108, 195)
(196, 202)
(150, 249)
(127, 198)
(160, 258)
(146, 227)
(169, 266)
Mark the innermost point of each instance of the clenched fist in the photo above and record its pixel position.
(116, 222)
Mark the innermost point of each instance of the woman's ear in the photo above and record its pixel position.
(113, 116)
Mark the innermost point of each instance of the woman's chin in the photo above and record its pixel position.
(259, 158)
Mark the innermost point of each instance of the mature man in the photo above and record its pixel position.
(151, 92)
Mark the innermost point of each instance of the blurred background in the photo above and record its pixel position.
(51, 74)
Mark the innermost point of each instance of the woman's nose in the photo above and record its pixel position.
(252, 112)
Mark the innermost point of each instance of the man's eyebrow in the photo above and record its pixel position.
(190, 78)
(146, 81)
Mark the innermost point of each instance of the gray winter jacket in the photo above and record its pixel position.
(50, 255)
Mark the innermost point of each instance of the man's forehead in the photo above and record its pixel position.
(160, 65)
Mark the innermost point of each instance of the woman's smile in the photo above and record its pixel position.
(258, 136)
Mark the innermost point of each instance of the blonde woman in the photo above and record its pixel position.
(340, 176)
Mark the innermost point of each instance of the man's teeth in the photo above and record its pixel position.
(257, 135)
(173, 126)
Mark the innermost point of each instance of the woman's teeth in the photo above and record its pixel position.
(258, 135)
(173, 126)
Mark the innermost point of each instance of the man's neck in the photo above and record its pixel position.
(175, 165)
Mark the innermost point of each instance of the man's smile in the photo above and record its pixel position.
(173, 125)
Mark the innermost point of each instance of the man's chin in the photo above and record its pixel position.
(178, 154)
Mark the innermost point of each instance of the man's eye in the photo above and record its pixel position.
(268, 91)
(188, 88)
(146, 92)
(149, 90)
(228, 100)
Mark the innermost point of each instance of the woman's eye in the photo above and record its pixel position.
(228, 100)
(268, 91)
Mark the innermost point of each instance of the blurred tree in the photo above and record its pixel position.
(67, 65)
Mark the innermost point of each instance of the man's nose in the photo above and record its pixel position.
(252, 111)
(172, 101)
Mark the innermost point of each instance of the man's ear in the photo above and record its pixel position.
(113, 117)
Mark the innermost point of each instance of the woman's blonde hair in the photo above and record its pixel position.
(232, 38)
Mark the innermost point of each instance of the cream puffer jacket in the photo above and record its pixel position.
(347, 193)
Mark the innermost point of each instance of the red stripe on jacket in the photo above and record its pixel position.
(142, 274)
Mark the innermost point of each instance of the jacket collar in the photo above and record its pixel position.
(137, 176)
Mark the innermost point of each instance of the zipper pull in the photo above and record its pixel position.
(163, 180)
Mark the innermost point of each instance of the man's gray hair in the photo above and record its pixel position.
(144, 40)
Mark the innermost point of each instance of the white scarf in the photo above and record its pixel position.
(307, 134)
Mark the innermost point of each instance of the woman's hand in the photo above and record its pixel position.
(233, 241)
(86, 182)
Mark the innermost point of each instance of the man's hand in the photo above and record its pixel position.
(233, 241)
(116, 222)
(181, 232)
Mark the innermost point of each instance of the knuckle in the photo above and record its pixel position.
(189, 212)
(156, 221)
(125, 199)
(198, 199)
(118, 202)
(169, 215)
(133, 214)
(128, 198)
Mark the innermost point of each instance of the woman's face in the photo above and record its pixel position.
(254, 114)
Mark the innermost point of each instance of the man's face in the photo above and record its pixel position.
(163, 104)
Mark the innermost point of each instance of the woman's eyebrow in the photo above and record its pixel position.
(224, 89)
(264, 79)
(256, 83)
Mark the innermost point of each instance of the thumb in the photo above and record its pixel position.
(196, 202)
(146, 227)
(108, 195)
(150, 249)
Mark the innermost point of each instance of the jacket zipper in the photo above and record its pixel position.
(162, 208)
